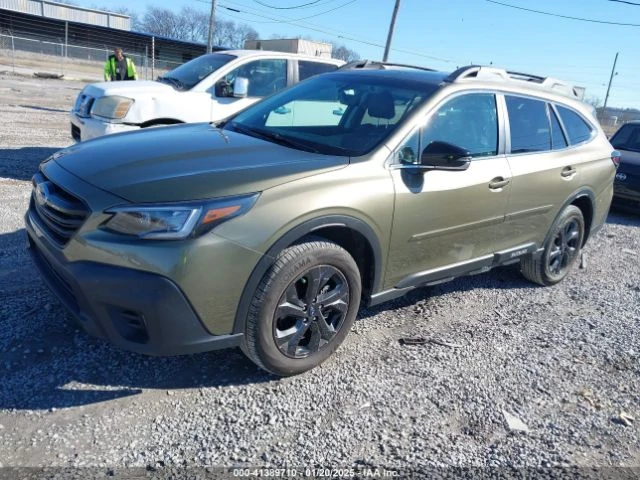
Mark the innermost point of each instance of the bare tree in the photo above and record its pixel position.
(341, 52)
(193, 25)
(594, 101)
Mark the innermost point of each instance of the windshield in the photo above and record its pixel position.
(335, 114)
(627, 138)
(189, 74)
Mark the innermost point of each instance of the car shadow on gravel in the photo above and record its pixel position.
(22, 163)
(506, 277)
(620, 217)
(50, 363)
(47, 362)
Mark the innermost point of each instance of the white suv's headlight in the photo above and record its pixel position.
(113, 106)
(176, 221)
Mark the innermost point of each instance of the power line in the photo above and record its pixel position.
(628, 3)
(293, 19)
(287, 8)
(344, 36)
(565, 16)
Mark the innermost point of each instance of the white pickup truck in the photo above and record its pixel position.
(201, 90)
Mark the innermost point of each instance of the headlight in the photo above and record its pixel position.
(176, 221)
(112, 107)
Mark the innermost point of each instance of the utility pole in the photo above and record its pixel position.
(391, 27)
(212, 26)
(613, 72)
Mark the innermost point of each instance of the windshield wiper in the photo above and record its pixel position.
(272, 137)
(179, 84)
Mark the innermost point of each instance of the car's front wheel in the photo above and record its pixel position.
(303, 308)
(561, 249)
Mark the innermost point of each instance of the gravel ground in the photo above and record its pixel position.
(512, 376)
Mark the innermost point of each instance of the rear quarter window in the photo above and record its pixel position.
(577, 128)
(308, 69)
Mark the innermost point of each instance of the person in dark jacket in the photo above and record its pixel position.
(119, 67)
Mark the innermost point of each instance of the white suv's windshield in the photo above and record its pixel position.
(336, 114)
(189, 74)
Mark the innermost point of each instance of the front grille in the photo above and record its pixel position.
(57, 282)
(59, 213)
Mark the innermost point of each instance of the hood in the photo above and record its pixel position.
(127, 89)
(188, 162)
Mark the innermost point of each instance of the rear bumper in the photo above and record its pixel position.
(137, 311)
(86, 128)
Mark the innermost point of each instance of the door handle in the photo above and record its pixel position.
(568, 171)
(498, 183)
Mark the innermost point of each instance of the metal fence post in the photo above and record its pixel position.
(153, 57)
(66, 46)
(13, 53)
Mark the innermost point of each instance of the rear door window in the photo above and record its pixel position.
(529, 125)
(308, 69)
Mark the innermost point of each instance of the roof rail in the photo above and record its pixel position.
(478, 72)
(375, 65)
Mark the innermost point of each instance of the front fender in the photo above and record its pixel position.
(296, 233)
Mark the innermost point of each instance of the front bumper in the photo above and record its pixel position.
(135, 310)
(83, 128)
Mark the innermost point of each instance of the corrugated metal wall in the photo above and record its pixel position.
(71, 13)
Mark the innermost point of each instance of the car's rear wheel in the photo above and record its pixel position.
(303, 308)
(561, 249)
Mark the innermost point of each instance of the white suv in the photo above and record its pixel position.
(202, 90)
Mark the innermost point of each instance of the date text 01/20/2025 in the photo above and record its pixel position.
(315, 472)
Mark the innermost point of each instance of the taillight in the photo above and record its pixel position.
(615, 158)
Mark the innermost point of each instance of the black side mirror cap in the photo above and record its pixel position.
(445, 156)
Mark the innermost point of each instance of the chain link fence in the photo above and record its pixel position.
(54, 56)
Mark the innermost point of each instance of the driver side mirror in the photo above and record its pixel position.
(445, 156)
(241, 87)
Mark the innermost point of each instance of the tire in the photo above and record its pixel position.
(561, 249)
(303, 308)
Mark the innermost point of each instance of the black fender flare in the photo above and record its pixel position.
(580, 193)
(296, 233)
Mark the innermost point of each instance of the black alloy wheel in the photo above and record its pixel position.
(311, 311)
(303, 308)
(564, 247)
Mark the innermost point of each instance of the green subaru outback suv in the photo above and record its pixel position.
(270, 230)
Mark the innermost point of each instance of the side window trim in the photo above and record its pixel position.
(563, 129)
(504, 129)
(292, 71)
(393, 161)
